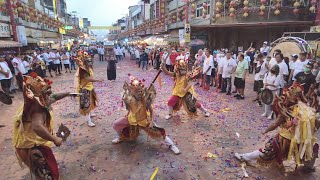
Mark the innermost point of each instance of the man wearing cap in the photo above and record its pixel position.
(5, 76)
(283, 70)
(265, 48)
(299, 65)
(292, 62)
(49, 61)
(19, 70)
(54, 55)
(306, 78)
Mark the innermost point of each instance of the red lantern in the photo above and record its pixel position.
(261, 13)
(20, 9)
(295, 11)
(231, 14)
(246, 9)
(263, 1)
(19, 3)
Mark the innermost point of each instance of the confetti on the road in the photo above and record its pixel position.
(154, 173)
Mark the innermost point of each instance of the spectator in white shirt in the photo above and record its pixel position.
(220, 59)
(283, 70)
(271, 81)
(123, 49)
(49, 61)
(101, 53)
(265, 48)
(5, 76)
(118, 52)
(200, 56)
(207, 68)
(228, 67)
(19, 70)
(299, 65)
(136, 53)
(27, 65)
(66, 62)
(55, 57)
(273, 59)
(261, 70)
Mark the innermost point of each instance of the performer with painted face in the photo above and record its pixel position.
(296, 140)
(183, 92)
(84, 82)
(33, 128)
(138, 100)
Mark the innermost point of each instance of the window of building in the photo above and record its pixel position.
(199, 9)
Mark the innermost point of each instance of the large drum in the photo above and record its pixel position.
(290, 45)
(266, 96)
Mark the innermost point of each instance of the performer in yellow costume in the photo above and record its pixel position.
(138, 101)
(85, 80)
(296, 138)
(33, 128)
(183, 92)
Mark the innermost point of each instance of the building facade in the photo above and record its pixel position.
(229, 24)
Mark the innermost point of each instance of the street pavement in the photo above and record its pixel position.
(207, 144)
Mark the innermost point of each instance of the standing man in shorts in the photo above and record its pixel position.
(5, 76)
(261, 70)
(240, 75)
(207, 68)
(49, 61)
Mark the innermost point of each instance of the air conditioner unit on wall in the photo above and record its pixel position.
(17, 20)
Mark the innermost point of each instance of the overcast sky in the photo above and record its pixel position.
(100, 12)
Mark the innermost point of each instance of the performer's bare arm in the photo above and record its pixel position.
(93, 80)
(273, 126)
(38, 127)
(165, 70)
(56, 97)
(88, 78)
(189, 85)
(3, 72)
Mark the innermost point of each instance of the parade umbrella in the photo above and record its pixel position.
(196, 42)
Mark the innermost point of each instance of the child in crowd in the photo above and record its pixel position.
(272, 82)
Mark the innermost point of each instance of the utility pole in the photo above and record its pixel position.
(12, 22)
(187, 11)
(317, 21)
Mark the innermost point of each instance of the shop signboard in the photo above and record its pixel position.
(22, 38)
(187, 33)
(181, 37)
(68, 27)
(4, 30)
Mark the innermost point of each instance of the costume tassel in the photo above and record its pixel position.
(154, 173)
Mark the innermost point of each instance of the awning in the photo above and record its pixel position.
(9, 44)
(172, 39)
(31, 40)
(49, 40)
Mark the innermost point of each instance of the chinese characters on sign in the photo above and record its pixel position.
(4, 30)
(187, 32)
